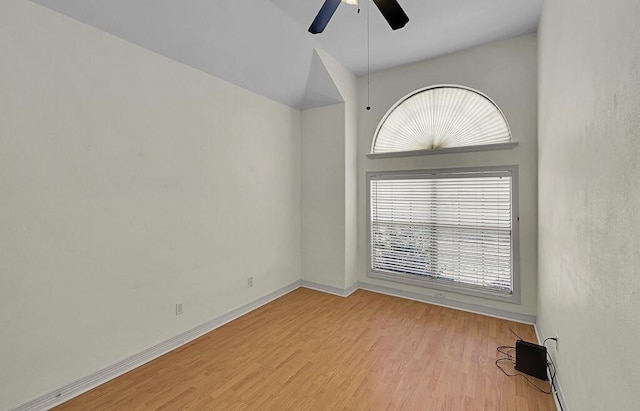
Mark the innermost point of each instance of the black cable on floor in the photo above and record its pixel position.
(507, 351)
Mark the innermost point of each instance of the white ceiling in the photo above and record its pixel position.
(264, 46)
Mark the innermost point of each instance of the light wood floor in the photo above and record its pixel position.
(310, 350)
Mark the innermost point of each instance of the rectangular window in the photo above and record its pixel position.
(446, 229)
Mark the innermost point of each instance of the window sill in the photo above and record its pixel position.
(451, 150)
(435, 284)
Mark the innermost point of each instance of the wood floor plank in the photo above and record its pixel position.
(313, 351)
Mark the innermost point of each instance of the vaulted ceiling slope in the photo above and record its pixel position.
(264, 46)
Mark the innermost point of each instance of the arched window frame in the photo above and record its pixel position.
(450, 150)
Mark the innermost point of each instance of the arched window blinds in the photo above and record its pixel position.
(438, 117)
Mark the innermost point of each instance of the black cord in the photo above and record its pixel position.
(507, 351)
(368, 59)
(499, 360)
(553, 376)
(514, 333)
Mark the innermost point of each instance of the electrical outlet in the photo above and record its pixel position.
(440, 294)
(178, 308)
(249, 282)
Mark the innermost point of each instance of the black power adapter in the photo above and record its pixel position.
(531, 359)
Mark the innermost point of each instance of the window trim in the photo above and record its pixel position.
(449, 150)
(436, 284)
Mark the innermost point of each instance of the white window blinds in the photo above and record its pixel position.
(439, 117)
(453, 228)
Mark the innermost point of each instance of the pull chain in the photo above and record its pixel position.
(368, 59)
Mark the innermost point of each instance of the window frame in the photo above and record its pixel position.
(445, 285)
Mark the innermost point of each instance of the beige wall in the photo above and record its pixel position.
(589, 199)
(347, 84)
(129, 182)
(323, 195)
(329, 176)
(506, 72)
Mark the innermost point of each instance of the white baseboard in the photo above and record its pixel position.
(57, 397)
(329, 289)
(477, 309)
(558, 397)
(473, 308)
(352, 289)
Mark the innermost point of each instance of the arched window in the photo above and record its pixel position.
(453, 229)
(441, 117)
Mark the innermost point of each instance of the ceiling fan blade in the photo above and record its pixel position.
(393, 13)
(324, 15)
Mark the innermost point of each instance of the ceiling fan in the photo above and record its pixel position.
(390, 9)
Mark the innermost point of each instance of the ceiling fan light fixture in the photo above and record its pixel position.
(390, 9)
